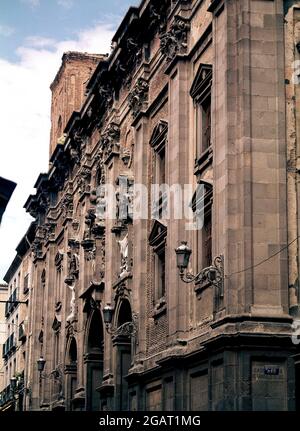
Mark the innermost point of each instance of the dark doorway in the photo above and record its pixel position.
(71, 373)
(123, 344)
(297, 386)
(94, 361)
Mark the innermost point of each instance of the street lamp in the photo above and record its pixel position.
(214, 274)
(107, 315)
(41, 364)
(127, 329)
(183, 253)
(56, 375)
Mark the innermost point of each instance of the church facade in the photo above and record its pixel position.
(195, 94)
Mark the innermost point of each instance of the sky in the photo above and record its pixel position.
(34, 34)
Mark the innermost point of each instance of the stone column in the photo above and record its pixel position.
(250, 154)
(140, 234)
(179, 161)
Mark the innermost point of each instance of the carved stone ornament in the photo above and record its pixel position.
(73, 266)
(67, 205)
(110, 140)
(138, 96)
(84, 178)
(174, 41)
(59, 260)
(106, 95)
(126, 156)
(89, 223)
(37, 248)
(50, 231)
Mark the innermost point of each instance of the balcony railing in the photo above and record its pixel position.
(12, 303)
(9, 346)
(6, 395)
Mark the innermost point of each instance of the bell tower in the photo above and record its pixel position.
(68, 90)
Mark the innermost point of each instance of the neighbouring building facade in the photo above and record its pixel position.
(15, 321)
(3, 332)
(195, 92)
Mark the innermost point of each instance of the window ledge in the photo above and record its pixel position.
(204, 160)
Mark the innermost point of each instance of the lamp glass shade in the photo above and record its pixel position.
(183, 253)
(41, 364)
(107, 314)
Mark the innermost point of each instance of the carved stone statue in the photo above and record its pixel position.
(72, 315)
(123, 244)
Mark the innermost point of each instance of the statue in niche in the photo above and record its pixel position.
(73, 269)
(123, 244)
(72, 315)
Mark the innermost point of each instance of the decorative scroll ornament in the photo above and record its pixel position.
(127, 329)
(213, 274)
(174, 41)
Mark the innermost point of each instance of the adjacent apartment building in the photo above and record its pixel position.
(3, 332)
(15, 321)
(196, 93)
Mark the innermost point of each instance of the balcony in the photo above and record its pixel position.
(9, 346)
(4, 351)
(11, 304)
(6, 395)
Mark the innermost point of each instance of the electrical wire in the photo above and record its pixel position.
(263, 261)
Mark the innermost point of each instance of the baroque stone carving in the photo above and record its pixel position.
(84, 179)
(106, 94)
(50, 231)
(110, 140)
(126, 156)
(37, 248)
(174, 41)
(67, 205)
(58, 260)
(138, 96)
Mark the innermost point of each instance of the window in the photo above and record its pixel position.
(59, 127)
(26, 284)
(158, 142)
(206, 124)
(203, 202)
(157, 241)
(161, 271)
(201, 94)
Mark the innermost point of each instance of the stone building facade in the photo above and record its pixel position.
(194, 92)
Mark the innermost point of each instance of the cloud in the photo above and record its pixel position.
(31, 3)
(40, 42)
(25, 121)
(6, 30)
(67, 4)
